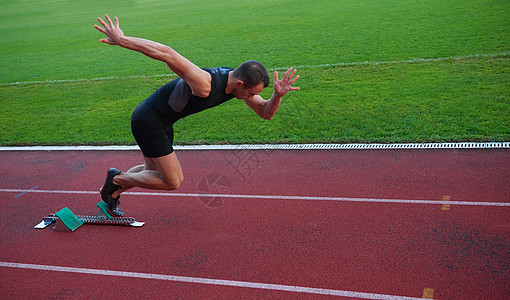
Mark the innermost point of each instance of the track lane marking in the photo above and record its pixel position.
(428, 293)
(339, 64)
(208, 281)
(358, 146)
(31, 189)
(273, 197)
(446, 206)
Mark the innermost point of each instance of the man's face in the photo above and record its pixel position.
(241, 92)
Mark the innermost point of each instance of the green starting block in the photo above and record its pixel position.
(66, 220)
(103, 207)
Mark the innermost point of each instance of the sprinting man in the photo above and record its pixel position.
(195, 90)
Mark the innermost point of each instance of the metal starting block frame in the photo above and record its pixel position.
(66, 220)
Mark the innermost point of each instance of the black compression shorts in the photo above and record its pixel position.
(153, 136)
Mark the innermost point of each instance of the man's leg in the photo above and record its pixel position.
(161, 173)
(135, 169)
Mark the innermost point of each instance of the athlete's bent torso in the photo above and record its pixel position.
(152, 120)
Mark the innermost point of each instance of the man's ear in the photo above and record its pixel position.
(239, 83)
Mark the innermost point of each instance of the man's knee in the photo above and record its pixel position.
(174, 183)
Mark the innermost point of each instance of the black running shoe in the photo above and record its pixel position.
(109, 187)
(113, 207)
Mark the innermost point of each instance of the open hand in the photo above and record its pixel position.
(282, 87)
(113, 32)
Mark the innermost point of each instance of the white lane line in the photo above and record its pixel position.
(359, 146)
(405, 61)
(208, 281)
(272, 197)
(340, 64)
(170, 75)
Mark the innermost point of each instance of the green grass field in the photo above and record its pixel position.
(371, 70)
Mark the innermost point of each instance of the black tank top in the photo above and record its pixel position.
(174, 100)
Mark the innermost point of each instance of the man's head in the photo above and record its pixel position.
(252, 73)
(249, 79)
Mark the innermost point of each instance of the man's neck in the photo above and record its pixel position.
(230, 84)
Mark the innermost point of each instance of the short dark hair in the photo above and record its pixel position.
(252, 73)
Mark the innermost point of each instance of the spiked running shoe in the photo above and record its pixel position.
(109, 187)
(113, 207)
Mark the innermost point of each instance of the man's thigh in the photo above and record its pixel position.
(168, 166)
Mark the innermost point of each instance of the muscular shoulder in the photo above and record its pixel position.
(206, 80)
(200, 82)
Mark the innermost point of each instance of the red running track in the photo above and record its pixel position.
(339, 238)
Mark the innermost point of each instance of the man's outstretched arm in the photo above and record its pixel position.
(266, 109)
(198, 79)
